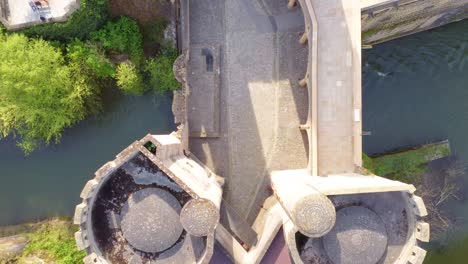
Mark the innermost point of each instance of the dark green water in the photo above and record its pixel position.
(49, 181)
(415, 91)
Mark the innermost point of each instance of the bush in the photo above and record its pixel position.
(90, 56)
(91, 15)
(122, 36)
(129, 79)
(40, 94)
(54, 241)
(160, 71)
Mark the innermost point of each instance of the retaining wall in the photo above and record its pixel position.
(397, 18)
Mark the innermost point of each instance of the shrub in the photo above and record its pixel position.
(90, 56)
(128, 79)
(122, 36)
(160, 70)
(91, 15)
(40, 94)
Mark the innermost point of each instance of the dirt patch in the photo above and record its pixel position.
(143, 11)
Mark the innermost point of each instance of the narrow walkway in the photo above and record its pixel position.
(335, 85)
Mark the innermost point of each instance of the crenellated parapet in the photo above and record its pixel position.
(151, 203)
(350, 219)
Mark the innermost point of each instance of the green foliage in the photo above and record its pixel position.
(406, 166)
(160, 70)
(154, 32)
(40, 95)
(151, 147)
(121, 36)
(90, 56)
(128, 79)
(367, 162)
(54, 241)
(91, 15)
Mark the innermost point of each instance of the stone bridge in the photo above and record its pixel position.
(269, 137)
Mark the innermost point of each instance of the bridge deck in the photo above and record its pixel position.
(338, 85)
(260, 103)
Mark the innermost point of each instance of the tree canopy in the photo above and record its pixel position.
(128, 79)
(160, 70)
(40, 95)
(121, 36)
(90, 56)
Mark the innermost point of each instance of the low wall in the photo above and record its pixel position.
(392, 19)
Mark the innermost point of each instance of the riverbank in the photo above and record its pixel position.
(435, 183)
(406, 164)
(399, 18)
(49, 241)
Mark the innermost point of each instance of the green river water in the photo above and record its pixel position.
(49, 181)
(415, 91)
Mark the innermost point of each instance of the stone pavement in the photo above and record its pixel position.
(338, 86)
(261, 105)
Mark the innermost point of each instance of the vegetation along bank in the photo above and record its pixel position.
(52, 75)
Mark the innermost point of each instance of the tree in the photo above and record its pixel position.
(40, 95)
(121, 36)
(129, 79)
(90, 56)
(160, 70)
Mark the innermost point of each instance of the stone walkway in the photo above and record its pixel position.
(261, 105)
(338, 86)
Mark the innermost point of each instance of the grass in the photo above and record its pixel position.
(54, 242)
(406, 166)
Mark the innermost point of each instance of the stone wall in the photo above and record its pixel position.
(398, 18)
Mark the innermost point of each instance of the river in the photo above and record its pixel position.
(49, 181)
(415, 91)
